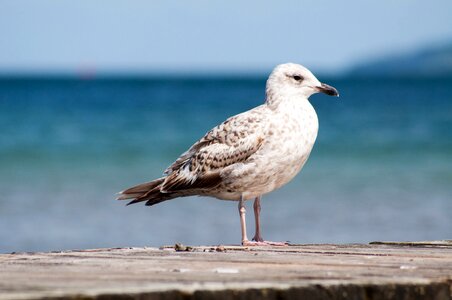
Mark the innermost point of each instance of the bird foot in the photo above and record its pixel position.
(263, 243)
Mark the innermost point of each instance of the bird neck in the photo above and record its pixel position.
(286, 102)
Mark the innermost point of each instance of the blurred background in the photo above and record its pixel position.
(98, 96)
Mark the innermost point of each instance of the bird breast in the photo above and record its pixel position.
(290, 135)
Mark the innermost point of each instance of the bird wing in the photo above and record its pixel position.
(231, 142)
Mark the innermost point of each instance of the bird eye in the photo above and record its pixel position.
(297, 78)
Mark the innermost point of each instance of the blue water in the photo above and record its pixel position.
(381, 168)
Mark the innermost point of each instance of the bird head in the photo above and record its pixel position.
(290, 79)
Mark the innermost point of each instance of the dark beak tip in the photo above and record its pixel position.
(333, 93)
(328, 90)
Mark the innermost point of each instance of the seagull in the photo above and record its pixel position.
(249, 154)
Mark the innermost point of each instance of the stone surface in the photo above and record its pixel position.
(376, 271)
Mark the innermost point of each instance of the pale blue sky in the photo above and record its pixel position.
(237, 36)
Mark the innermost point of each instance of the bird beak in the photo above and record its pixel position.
(327, 89)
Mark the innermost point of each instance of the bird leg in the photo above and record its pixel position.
(257, 239)
(242, 212)
(257, 212)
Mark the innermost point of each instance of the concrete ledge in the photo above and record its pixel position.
(377, 271)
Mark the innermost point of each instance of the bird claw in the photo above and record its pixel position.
(257, 238)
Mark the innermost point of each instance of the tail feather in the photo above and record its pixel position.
(141, 188)
(128, 196)
(149, 191)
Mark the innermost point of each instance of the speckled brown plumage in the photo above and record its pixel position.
(250, 154)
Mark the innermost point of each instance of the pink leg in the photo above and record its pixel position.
(257, 213)
(245, 241)
(242, 212)
(257, 239)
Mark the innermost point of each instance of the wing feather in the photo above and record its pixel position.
(231, 142)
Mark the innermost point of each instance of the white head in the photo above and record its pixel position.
(293, 80)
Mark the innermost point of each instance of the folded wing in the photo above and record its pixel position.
(231, 142)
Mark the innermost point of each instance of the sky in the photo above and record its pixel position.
(208, 36)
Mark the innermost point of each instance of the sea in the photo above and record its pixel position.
(381, 169)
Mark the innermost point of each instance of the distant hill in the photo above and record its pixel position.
(428, 62)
